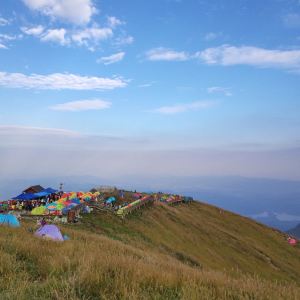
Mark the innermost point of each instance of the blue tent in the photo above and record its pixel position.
(110, 200)
(50, 190)
(25, 197)
(42, 194)
(29, 196)
(9, 220)
(45, 192)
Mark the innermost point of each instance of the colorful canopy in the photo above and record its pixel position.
(41, 210)
(54, 206)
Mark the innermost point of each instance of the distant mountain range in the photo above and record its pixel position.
(270, 201)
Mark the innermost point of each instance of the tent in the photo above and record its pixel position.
(9, 220)
(40, 210)
(50, 190)
(54, 206)
(110, 200)
(42, 194)
(45, 192)
(25, 197)
(292, 241)
(50, 231)
(76, 201)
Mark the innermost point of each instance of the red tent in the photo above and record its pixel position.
(292, 241)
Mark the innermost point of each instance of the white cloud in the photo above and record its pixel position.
(78, 12)
(72, 11)
(91, 35)
(227, 55)
(107, 60)
(79, 153)
(145, 85)
(264, 214)
(210, 36)
(180, 108)
(161, 53)
(35, 31)
(59, 81)
(7, 37)
(4, 38)
(114, 22)
(82, 105)
(282, 216)
(124, 40)
(56, 36)
(13, 130)
(4, 22)
(218, 89)
(292, 20)
(287, 217)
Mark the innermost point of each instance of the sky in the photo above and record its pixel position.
(161, 87)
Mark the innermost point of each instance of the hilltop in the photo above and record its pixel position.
(189, 251)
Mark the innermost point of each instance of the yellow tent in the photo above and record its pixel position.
(40, 210)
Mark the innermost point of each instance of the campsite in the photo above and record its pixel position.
(49, 206)
(129, 245)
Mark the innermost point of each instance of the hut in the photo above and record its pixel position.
(33, 189)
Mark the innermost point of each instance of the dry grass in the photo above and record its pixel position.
(127, 261)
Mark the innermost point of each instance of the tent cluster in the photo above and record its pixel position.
(142, 199)
(37, 201)
(65, 203)
(51, 232)
(123, 211)
(32, 196)
(49, 202)
(172, 199)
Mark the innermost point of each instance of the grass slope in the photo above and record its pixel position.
(185, 252)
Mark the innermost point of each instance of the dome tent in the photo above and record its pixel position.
(50, 231)
(9, 220)
(40, 210)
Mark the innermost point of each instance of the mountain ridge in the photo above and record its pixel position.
(189, 251)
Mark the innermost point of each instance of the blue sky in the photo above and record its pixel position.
(200, 77)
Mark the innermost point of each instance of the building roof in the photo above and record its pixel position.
(34, 189)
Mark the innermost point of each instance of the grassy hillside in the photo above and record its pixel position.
(185, 252)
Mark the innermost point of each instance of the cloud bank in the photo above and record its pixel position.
(72, 11)
(114, 58)
(82, 105)
(165, 54)
(180, 108)
(227, 55)
(29, 151)
(59, 81)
